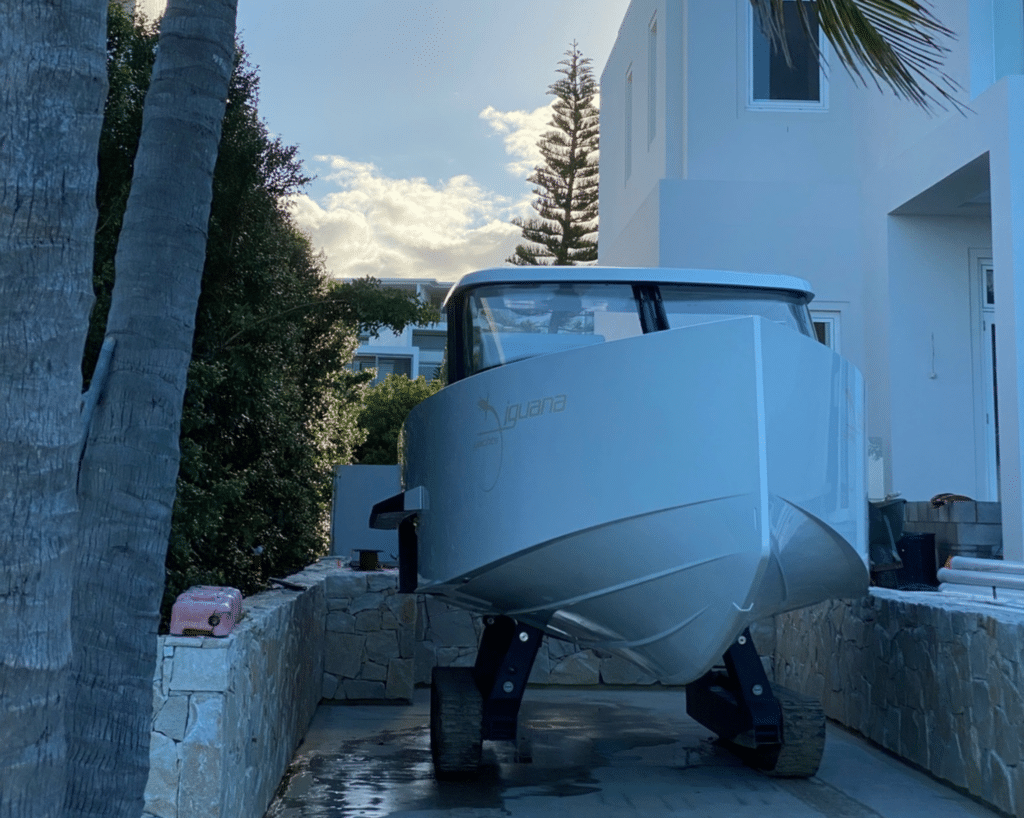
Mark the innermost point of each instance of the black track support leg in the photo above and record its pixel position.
(738, 700)
(503, 664)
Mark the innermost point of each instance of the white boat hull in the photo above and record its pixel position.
(650, 496)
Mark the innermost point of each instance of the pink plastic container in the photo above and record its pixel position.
(206, 610)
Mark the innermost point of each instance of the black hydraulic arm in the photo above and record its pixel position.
(503, 664)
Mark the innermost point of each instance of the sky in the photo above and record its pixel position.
(419, 119)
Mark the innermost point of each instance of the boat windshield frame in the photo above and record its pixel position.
(486, 329)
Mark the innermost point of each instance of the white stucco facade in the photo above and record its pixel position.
(895, 216)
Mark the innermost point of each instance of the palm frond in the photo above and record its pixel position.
(899, 43)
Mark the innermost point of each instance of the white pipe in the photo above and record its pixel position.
(977, 564)
(985, 579)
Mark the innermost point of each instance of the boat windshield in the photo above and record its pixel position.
(686, 305)
(509, 322)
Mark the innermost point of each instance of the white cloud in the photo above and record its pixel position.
(406, 228)
(522, 131)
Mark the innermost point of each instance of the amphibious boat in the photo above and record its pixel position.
(642, 461)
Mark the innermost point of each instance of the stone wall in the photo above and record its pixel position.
(370, 637)
(228, 713)
(934, 678)
(448, 636)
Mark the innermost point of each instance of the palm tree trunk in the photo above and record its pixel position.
(130, 465)
(52, 88)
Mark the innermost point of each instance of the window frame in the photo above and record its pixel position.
(784, 105)
(831, 320)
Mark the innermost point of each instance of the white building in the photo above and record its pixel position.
(417, 350)
(909, 226)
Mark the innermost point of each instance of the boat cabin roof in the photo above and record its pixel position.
(631, 275)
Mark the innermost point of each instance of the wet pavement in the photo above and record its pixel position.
(589, 752)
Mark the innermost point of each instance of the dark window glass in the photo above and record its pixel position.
(773, 78)
(429, 340)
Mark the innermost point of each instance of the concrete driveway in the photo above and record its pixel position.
(595, 753)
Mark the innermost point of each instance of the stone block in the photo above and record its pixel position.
(368, 621)
(172, 717)
(330, 686)
(372, 672)
(541, 670)
(198, 669)
(424, 660)
(382, 581)
(366, 602)
(949, 761)
(974, 762)
(578, 669)
(914, 745)
(618, 671)
(963, 512)
(559, 648)
(344, 584)
(421, 619)
(340, 622)
(183, 642)
(1007, 738)
(399, 684)
(763, 634)
(453, 628)
(161, 796)
(358, 689)
(406, 643)
(454, 657)
(381, 647)
(166, 669)
(989, 513)
(1002, 786)
(343, 654)
(403, 606)
(202, 762)
(978, 534)
(978, 648)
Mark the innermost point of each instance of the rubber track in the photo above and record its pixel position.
(456, 722)
(803, 734)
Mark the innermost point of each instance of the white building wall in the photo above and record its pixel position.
(930, 355)
(727, 141)
(620, 195)
(824, 195)
(1007, 173)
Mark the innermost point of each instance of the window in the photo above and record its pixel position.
(774, 84)
(427, 340)
(510, 322)
(431, 345)
(384, 364)
(629, 122)
(826, 328)
(652, 80)
(688, 305)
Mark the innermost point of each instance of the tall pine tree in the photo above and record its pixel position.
(566, 184)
